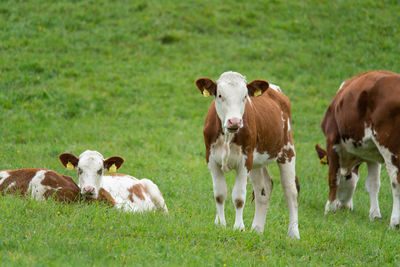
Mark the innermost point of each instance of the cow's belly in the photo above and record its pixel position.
(364, 150)
(234, 156)
(261, 159)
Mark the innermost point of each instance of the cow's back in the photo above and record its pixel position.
(269, 117)
(371, 99)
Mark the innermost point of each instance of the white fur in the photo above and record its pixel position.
(10, 186)
(275, 87)
(341, 86)
(287, 171)
(3, 176)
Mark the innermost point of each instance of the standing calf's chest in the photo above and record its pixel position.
(230, 152)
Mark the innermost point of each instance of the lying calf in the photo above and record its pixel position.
(119, 190)
(39, 184)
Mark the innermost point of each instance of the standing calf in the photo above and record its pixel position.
(39, 184)
(247, 127)
(119, 190)
(361, 125)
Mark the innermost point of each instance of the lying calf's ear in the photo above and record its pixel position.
(69, 160)
(113, 163)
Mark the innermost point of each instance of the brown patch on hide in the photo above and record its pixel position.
(21, 178)
(138, 190)
(239, 203)
(63, 187)
(105, 197)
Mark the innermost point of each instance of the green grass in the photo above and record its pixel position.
(118, 77)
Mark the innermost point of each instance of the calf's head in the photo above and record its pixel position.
(90, 166)
(231, 91)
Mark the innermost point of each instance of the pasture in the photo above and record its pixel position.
(118, 77)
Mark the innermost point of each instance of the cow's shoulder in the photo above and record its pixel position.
(280, 99)
(212, 126)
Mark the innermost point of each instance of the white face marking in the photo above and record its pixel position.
(230, 100)
(3, 176)
(90, 171)
(36, 189)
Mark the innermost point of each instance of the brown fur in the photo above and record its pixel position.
(105, 196)
(137, 190)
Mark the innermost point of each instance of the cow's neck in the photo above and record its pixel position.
(226, 151)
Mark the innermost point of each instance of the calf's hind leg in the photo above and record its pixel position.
(288, 181)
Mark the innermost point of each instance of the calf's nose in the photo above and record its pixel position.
(234, 123)
(88, 190)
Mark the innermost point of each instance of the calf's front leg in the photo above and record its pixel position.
(220, 191)
(239, 197)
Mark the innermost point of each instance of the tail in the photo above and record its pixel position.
(155, 194)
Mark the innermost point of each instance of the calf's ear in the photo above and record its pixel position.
(257, 87)
(322, 155)
(206, 86)
(69, 160)
(113, 163)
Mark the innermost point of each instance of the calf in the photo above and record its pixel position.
(247, 127)
(39, 184)
(361, 125)
(119, 190)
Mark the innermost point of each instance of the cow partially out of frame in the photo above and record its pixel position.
(39, 184)
(362, 124)
(248, 126)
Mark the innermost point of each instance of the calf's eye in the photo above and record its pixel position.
(99, 172)
(79, 171)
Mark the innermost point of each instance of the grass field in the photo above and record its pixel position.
(118, 77)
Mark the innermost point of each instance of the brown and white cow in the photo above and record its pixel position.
(39, 184)
(247, 127)
(120, 190)
(361, 125)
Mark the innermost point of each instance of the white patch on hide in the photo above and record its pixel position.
(3, 176)
(36, 188)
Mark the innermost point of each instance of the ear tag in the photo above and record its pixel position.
(70, 166)
(257, 92)
(113, 168)
(324, 160)
(206, 93)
